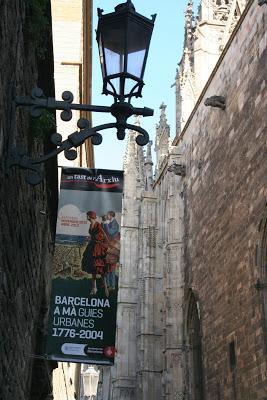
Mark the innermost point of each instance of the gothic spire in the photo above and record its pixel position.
(189, 26)
(149, 167)
(188, 51)
(187, 67)
(134, 159)
(163, 118)
(130, 151)
(162, 136)
(148, 153)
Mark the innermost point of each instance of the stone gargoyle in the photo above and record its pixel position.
(216, 101)
(177, 169)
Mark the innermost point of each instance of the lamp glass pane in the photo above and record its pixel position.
(138, 44)
(135, 63)
(114, 62)
(129, 85)
(114, 47)
(116, 83)
(101, 56)
(87, 385)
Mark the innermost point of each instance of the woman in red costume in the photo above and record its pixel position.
(94, 258)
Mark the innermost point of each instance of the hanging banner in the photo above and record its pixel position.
(83, 305)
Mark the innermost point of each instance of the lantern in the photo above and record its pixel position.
(123, 38)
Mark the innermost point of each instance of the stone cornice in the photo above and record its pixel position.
(214, 22)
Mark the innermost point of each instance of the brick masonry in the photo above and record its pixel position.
(226, 194)
(27, 218)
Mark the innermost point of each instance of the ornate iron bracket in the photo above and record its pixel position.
(216, 101)
(37, 102)
(177, 169)
(261, 2)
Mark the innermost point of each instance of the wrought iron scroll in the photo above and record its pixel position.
(37, 102)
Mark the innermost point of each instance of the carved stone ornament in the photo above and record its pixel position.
(216, 101)
(177, 169)
(179, 396)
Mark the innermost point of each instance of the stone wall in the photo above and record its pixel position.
(225, 195)
(66, 381)
(169, 261)
(27, 219)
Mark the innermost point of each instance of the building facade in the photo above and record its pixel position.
(72, 41)
(192, 299)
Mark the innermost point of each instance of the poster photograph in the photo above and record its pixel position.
(83, 303)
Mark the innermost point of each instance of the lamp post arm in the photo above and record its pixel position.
(145, 112)
(74, 140)
(141, 139)
(38, 101)
(121, 110)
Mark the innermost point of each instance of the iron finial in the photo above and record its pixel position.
(128, 6)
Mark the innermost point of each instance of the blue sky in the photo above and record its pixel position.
(165, 52)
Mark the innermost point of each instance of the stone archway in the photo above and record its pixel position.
(261, 284)
(194, 342)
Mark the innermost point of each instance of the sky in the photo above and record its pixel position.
(164, 54)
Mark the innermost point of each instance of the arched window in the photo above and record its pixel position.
(261, 284)
(195, 369)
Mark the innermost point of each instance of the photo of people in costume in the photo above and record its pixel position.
(101, 256)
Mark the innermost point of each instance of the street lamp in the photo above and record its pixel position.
(90, 379)
(123, 37)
